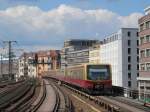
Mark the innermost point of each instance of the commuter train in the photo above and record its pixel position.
(90, 78)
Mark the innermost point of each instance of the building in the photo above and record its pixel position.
(27, 67)
(4, 70)
(144, 47)
(34, 64)
(48, 60)
(120, 50)
(76, 52)
(94, 54)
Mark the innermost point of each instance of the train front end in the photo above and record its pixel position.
(100, 77)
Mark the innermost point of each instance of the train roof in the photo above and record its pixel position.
(85, 64)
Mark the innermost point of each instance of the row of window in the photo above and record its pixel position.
(111, 38)
(129, 75)
(129, 34)
(129, 67)
(94, 54)
(116, 37)
(129, 42)
(85, 53)
(145, 67)
(145, 26)
(145, 39)
(82, 60)
(129, 51)
(129, 59)
(145, 53)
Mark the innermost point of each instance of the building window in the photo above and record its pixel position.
(147, 52)
(142, 53)
(129, 34)
(129, 42)
(148, 88)
(129, 67)
(148, 66)
(148, 25)
(137, 42)
(129, 75)
(141, 40)
(129, 59)
(142, 27)
(142, 66)
(137, 58)
(129, 50)
(148, 38)
(137, 66)
(137, 34)
(129, 83)
(137, 50)
(141, 87)
(137, 74)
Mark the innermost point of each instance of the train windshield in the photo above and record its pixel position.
(98, 72)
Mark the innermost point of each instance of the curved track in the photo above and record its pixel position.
(63, 103)
(107, 103)
(51, 99)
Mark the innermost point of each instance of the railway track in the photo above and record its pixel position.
(35, 102)
(9, 88)
(63, 103)
(8, 100)
(9, 83)
(122, 100)
(107, 103)
(21, 98)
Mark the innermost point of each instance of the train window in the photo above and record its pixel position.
(98, 72)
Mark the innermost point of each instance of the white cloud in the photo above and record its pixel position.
(32, 26)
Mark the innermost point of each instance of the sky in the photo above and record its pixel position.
(45, 24)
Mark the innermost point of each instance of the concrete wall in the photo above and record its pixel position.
(115, 52)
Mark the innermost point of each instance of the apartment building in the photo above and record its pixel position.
(48, 60)
(120, 50)
(27, 67)
(144, 47)
(34, 64)
(76, 52)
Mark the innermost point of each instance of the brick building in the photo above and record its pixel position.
(144, 74)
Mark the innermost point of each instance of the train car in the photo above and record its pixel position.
(92, 78)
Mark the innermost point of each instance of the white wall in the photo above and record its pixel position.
(111, 54)
(21, 67)
(32, 70)
(116, 54)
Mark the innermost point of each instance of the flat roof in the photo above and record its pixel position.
(147, 10)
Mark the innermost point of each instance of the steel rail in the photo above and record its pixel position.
(67, 101)
(107, 105)
(35, 107)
